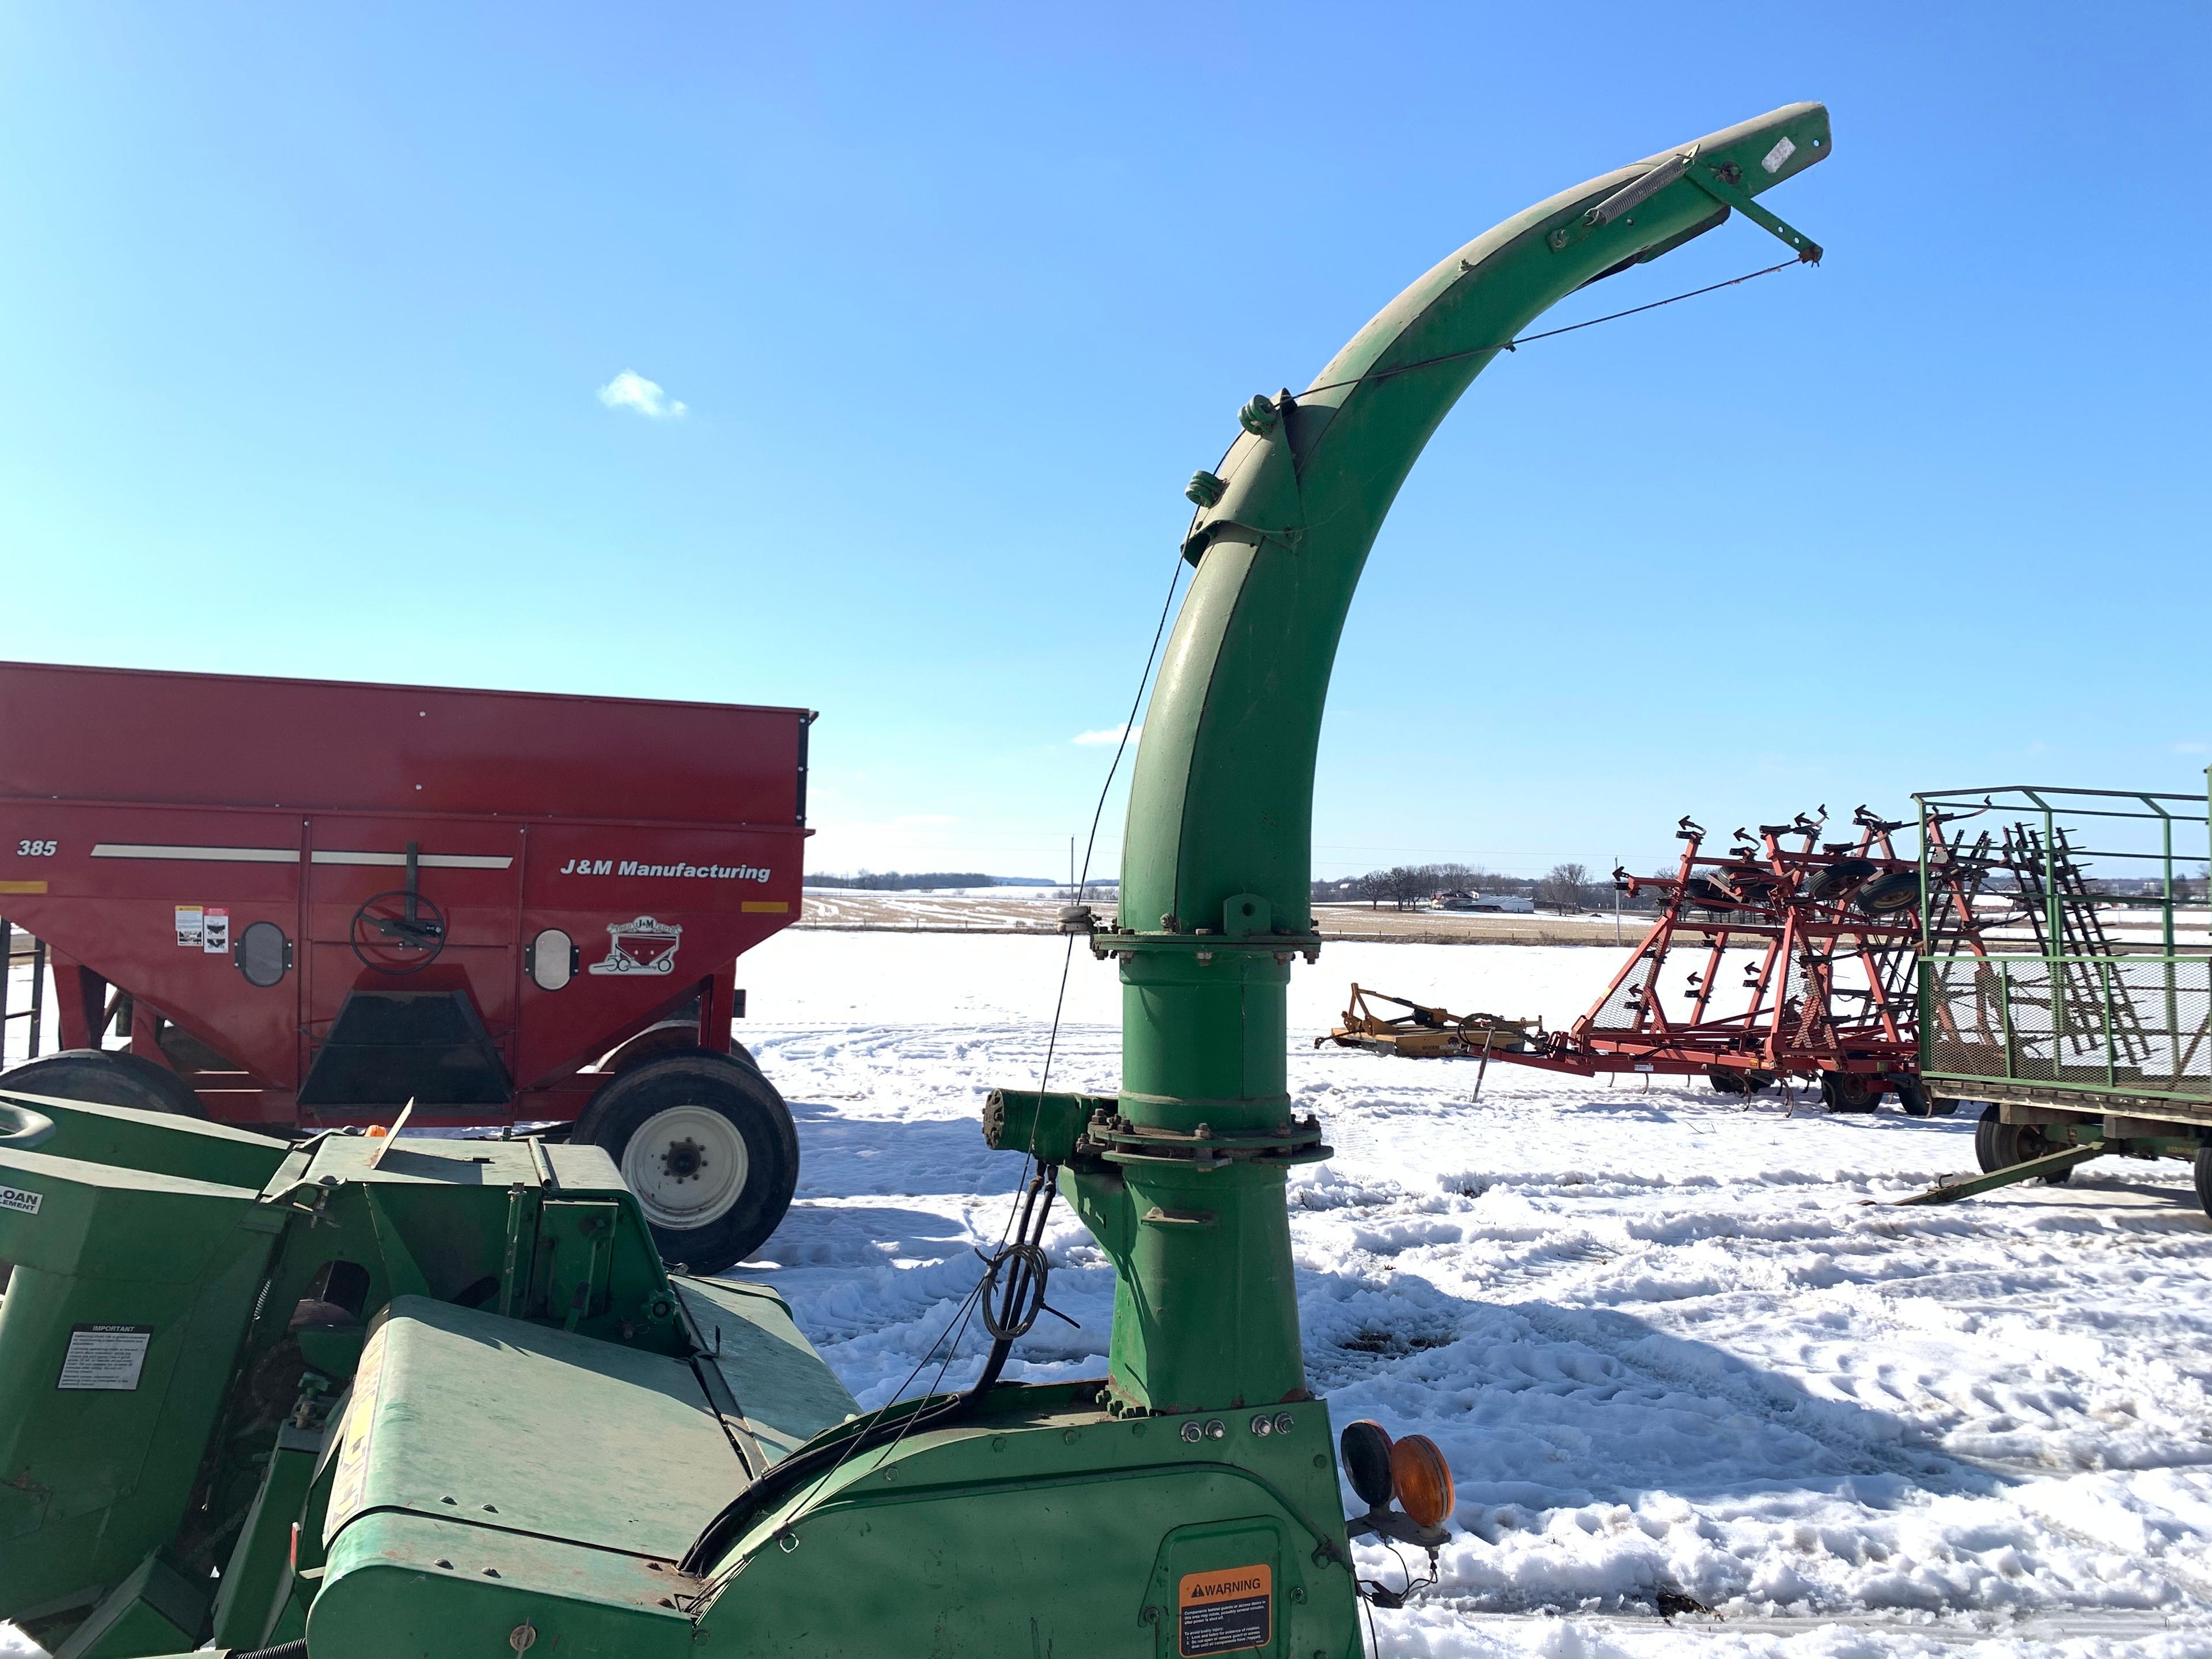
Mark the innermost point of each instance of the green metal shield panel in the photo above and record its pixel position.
(405, 1584)
(462, 1415)
(179, 1146)
(118, 1333)
(786, 1394)
(154, 1610)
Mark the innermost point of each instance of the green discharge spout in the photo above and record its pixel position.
(1188, 1195)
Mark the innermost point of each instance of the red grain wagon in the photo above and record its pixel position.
(300, 904)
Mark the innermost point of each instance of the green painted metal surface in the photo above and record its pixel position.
(119, 1332)
(2036, 1169)
(459, 1414)
(179, 1146)
(1058, 1530)
(211, 1322)
(245, 1601)
(154, 1608)
(1221, 805)
(783, 1393)
(400, 1584)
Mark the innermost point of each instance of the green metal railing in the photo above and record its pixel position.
(2049, 988)
(2135, 1026)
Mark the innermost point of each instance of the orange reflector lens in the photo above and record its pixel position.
(1423, 1478)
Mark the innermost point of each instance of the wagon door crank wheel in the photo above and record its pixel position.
(399, 931)
(687, 1166)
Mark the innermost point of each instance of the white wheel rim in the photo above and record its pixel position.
(687, 1167)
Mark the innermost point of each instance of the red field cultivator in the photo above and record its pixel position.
(1794, 957)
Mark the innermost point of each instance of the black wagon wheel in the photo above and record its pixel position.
(1885, 896)
(1839, 879)
(1999, 1146)
(2204, 1175)
(397, 932)
(105, 1078)
(1841, 1092)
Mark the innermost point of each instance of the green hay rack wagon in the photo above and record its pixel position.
(2079, 1013)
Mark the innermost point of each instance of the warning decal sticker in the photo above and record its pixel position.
(22, 1203)
(191, 921)
(105, 1357)
(349, 1485)
(1224, 1612)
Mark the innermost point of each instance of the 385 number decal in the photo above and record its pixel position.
(35, 849)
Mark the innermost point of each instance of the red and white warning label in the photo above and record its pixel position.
(1224, 1612)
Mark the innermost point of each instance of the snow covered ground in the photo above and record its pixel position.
(1664, 1342)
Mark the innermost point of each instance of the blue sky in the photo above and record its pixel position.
(306, 312)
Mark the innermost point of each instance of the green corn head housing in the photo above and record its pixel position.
(449, 1401)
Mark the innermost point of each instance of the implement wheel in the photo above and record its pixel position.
(105, 1079)
(707, 1145)
(1843, 1091)
(2204, 1175)
(1886, 896)
(1912, 1097)
(1999, 1146)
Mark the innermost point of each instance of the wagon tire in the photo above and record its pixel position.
(1912, 1097)
(1841, 1092)
(2204, 1175)
(104, 1079)
(1999, 1146)
(706, 1145)
(1886, 895)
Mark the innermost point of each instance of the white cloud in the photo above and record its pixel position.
(2193, 748)
(631, 390)
(1111, 735)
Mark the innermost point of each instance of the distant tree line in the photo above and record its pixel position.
(1566, 887)
(891, 881)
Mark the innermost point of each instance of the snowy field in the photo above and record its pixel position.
(1665, 1343)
